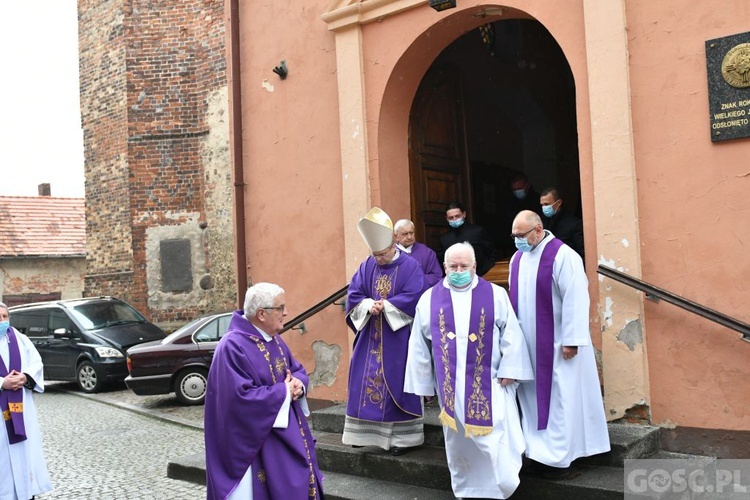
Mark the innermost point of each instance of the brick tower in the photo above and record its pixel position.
(156, 138)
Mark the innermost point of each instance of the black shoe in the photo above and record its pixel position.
(397, 451)
(556, 473)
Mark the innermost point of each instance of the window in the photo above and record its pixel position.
(32, 323)
(214, 329)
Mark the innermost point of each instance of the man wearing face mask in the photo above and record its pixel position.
(466, 345)
(523, 196)
(461, 231)
(24, 470)
(563, 413)
(563, 224)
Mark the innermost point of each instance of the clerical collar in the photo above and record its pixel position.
(395, 254)
(402, 247)
(546, 233)
(266, 337)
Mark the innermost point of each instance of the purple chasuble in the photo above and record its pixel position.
(11, 402)
(378, 365)
(427, 259)
(245, 392)
(545, 324)
(478, 381)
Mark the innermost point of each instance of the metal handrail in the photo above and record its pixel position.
(298, 320)
(655, 293)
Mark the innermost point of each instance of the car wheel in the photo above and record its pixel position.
(190, 387)
(87, 378)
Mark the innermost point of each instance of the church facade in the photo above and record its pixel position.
(396, 104)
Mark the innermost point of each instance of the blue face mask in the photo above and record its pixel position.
(460, 279)
(523, 244)
(548, 210)
(4, 325)
(519, 193)
(456, 223)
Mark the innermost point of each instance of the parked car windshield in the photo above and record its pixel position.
(94, 316)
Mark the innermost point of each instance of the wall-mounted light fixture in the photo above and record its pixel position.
(439, 5)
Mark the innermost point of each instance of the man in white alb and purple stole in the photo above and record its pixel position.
(23, 470)
(467, 346)
(563, 412)
(258, 443)
(379, 309)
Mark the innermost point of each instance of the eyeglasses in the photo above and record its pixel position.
(280, 308)
(383, 254)
(522, 235)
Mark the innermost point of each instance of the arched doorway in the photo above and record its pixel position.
(498, 100)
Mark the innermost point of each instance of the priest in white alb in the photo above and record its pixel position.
(467, 346)
(563, 412)
(23, 470)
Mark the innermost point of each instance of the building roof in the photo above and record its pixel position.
(42, 226)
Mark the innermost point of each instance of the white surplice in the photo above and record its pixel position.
(577, 426)
(481, 466)
(23, 470)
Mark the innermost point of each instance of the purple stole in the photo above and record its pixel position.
(545, 325)
(478, 388)
(11, 402)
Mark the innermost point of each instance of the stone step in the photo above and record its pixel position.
(424, 466)
(627, 440)
(339, 486)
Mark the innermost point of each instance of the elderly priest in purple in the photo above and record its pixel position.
(563, 413)
(258, 443)
(405, 241)
(379, 308)
(466, 344)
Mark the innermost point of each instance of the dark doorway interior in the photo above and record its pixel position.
(498, 100)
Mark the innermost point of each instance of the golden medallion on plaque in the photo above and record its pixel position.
(735, 68)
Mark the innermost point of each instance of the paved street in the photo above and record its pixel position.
(99, 451)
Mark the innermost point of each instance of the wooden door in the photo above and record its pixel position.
(439, 171)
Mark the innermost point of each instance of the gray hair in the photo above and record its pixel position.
(3, 306)
(457, 247)
(402, 223)
(259, 296)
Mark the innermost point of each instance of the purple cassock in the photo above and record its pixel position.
(377, 367)
(426, 257)
(245, 392)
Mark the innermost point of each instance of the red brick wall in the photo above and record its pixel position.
(169, 57)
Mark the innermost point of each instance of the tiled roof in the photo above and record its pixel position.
(42, 226)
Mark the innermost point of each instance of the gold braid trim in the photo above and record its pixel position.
(478, 430)
(447, 420)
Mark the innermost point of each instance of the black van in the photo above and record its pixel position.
(84, 340)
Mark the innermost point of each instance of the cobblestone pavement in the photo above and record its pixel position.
(110, 451)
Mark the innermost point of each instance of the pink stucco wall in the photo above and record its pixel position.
(693, 211)
(691, 203)
(292, 169)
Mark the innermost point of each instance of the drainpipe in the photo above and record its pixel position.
(235, 134)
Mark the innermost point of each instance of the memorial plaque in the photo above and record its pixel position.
(728, 62)
(176, 269)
